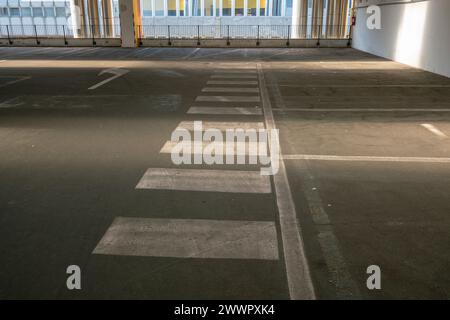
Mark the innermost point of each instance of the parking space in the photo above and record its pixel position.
(87, 176)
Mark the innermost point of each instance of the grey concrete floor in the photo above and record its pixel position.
(70, 159)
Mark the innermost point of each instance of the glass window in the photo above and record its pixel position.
(26, 12)
(251, 10)
(60, 12)
(3, 12)
(182, 5)
(146, 6)
(196, 7)
(37, 12)
(288, 8)
(239, 8)
(226, 7)
(209, 8)
(49, 12)
(171, 7)
(159, 7)
(14, 12)
(262, 7)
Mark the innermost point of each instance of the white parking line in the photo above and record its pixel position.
(230, 89)
(234, 181)
(243, 71)
(434, 130)
(190, 238)
(117, 72)
(228, 98)
(225, 110)
(237, 147)
(297, 269)
(17, 79)
(362, 109)
(233, 76)
(363, 158)
(243, 82)
(221, 125)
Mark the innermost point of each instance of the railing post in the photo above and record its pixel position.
(168, 34)
(93, 35)
(198, 34)
(64, 35)
(318, 35)
(9, 38)
(36, 36)
(257, 37)
(288, 34)
(228, 34)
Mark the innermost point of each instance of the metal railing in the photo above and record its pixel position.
(39, 32)
(251, 32)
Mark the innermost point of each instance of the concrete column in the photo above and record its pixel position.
(130, 21)
(245, 7)
(299, 18)
(202, 8)
(94, 18)
(331, 33)
(258, 7)
(220, 8)
(233, 6)
(153, 8)
(77, 16)
(317, 18)
(107, 15)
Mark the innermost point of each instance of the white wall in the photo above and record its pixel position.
(417, 34)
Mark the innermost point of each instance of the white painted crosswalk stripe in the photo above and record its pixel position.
(233, 76)
(250, 71)
(228, 99)
(237, 148)
(234, 181)
(190, 238)
(221, 125)
(225, 110)
(233, 82)
(230, 89)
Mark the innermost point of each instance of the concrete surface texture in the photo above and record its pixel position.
(85, 180)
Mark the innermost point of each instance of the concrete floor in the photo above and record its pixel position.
(70, 159)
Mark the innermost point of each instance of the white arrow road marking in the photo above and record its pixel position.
(117, 72)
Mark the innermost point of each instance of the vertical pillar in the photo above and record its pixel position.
(245, 7)
(202, 8)
(94, 18)
(153, 8)
(233, 6)
(130, 22)
(220, 8)
(258, 7)
(107, 15)
(299, 18)
(317, 18)
(77, 17)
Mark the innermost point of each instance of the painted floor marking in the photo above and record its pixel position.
(364, 158)
(297, 269)
(234, 71)
(117, 72)
(233, 181)
(222, 82)
(221, 125)
(237, 148)
(16, 80)
(225, 110)
(190, 238)
(363, 109)
(228, 98)
(232, 76)
(434, 130)
(230, 89)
